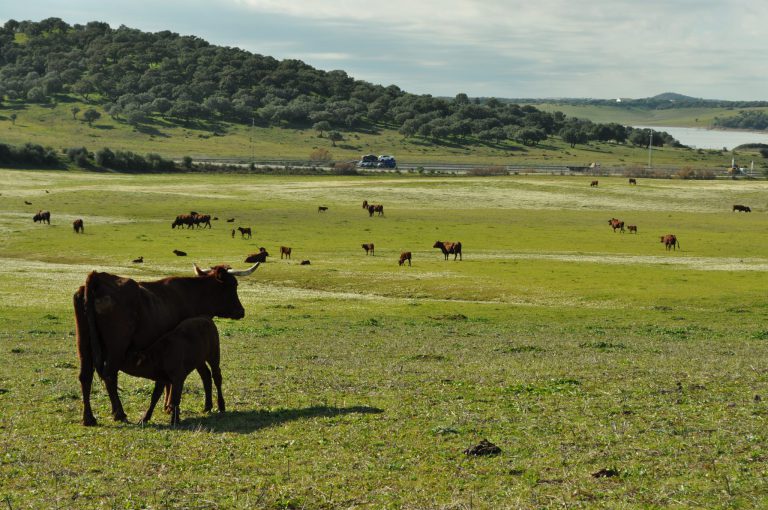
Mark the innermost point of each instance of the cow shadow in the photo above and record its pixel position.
(245, 422)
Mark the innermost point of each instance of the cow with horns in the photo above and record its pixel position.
(115, 316)
(448, 248)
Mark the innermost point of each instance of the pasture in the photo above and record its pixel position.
(611, 373)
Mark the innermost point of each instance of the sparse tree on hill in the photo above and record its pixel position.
(321, 126)
(335, 136)
(90, 115)
(75, 110)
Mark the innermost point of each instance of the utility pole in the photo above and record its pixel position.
(650, 149)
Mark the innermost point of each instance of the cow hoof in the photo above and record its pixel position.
(90, 421)
(121, 417)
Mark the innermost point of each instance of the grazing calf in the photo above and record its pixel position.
(261, 256)
(321, 208)
(741, 208)
(593, 184)
(632, 180)
(368, 247)
(632, 228)
(448, 247)
(180, 253)
(77, 225)
(244, 231)
(670, 241)
(285, 250)
(192, 345)
(616, 224)
(406, 255)
(42, 217)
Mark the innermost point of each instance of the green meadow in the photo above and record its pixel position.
(610, 372)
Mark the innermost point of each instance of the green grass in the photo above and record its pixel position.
(54, 126)
(611, 373)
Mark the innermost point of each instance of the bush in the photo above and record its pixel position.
(79, 156)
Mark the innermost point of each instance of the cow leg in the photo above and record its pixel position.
(85, 355)
(205, 376)
(156, 392)
(110, 381)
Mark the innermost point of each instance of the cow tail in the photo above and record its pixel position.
(90, 314)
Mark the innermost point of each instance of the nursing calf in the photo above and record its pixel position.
(192, 345)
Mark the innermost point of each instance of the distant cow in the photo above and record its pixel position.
(365, 204)
(285, 251)
(182, 220)
(321, 208)
(632, 180)
(138, 260)
(192, 345)
(261, 256)
(368, 247)
(202, 220)
(632, 228)
(741, 208)
(593, 184)
(244, 231)
(304, 263)
(448, 247)
(180, 253)
(28, 202)
(616, 224)
(42, 217)
(379, 209)
(230, 220)
(670, 241)
(406, 255)
(77, 225)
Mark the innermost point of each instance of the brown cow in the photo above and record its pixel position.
(365, 204)
(368, 247)
(77, 225)
(371, 209)
(593, 184)
(42, 217)
(741, 208)
(183, 219)
(448, 247)
(244, 231)
(285, 250)
(203, 220)
(115, 315)
(632, 228)
(616, 223)
(192, 345)
(261, 256)
(670, 241)
(406, 255)
(379, 209)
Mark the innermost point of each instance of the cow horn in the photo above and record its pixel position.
(199, 272)
(244, 272)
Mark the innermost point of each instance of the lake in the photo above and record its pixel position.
(711, 138)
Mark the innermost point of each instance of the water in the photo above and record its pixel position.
(711, 138)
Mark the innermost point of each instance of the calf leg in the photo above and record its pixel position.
(205, 376)
(156, 392)
(176, 386)
(217, 380)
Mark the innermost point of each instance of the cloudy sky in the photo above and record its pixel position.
(713, 49)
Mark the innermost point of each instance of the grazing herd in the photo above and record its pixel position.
(163, 330)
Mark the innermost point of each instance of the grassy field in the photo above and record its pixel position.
(610, 372)
(54, 126)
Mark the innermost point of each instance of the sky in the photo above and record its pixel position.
(711, 49)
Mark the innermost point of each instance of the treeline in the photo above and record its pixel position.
(37, 156)
(744, 120)
(136, 77)
(660, 102)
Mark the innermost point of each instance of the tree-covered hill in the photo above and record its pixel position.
(138, 77)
